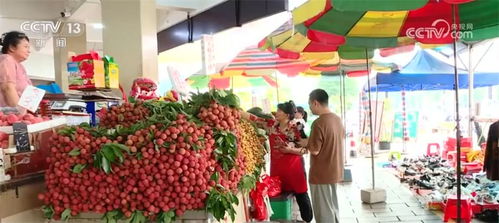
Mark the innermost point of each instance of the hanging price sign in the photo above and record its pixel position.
(31, 98)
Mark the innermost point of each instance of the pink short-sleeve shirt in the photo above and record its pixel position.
(12, 71)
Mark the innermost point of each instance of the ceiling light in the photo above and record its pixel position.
(98, 26)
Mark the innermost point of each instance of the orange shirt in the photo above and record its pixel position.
(12, 71)
(326, 138)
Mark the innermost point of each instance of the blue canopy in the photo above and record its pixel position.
(425, 72)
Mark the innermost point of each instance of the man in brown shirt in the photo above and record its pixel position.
(326, 161)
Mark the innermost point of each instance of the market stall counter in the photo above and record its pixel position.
(22, 173)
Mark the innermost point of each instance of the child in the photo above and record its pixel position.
(300, 120)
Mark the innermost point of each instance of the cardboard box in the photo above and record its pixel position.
(112, 73)
(86, 71)
(24, 199)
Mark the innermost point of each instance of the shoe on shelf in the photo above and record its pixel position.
(425, 185)
(409, 172)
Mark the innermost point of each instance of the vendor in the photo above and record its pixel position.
(286, 159)
(13, 79)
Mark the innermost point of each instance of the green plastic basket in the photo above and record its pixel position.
(281, 206)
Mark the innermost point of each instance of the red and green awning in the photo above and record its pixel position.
(380, 23)
(377, 5)
(289, 41)
(345, 59)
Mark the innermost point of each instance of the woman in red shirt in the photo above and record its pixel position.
(13, 78)
(286, 159)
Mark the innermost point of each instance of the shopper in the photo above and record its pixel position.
(286, 157)
(301, 115)
(325, 145)
(300, 120)
(491, 160)
(13, 78)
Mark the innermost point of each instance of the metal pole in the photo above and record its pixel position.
(341, 95)
(483, 55)
(370, 121)
(342, 99)
(404, 122)
(377, 128)
(277, 87)
(471, 110)
(344, 114)
(458, 129)
(361, 122)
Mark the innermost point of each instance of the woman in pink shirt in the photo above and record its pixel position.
(13, 77)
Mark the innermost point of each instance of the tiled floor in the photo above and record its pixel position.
(400, 205)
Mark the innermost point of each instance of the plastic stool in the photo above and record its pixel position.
(430, 146)
(282, 207)
(451, 209)
(446, 151)
(452, 157)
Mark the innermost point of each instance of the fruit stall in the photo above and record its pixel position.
(21, 171)
(143, 159)
(25, 134)
(156, 161)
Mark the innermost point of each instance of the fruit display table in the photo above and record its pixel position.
(156, 161)
(18, 191)
(38, 127)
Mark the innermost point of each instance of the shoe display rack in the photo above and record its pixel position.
(433, 180)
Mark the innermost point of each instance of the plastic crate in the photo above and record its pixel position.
(452, 142)
(281, 207)
(470, 168)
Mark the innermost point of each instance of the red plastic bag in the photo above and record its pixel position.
(257, 195)
(92, 55)
(144, 89)
(269, 186)
(274, 185)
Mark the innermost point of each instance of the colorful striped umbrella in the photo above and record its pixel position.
(364, 24)
(377, 5)
(322, 60)
(219, 81)
(289, 41)
(254, 58)
(346, 59)
(385, 52)
(252, 67)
